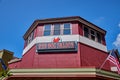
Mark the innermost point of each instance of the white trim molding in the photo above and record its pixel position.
(92, 43)
(65, 72)
(77, 38)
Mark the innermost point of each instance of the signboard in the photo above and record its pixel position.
(57, 47)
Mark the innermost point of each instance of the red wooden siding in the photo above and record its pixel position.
(15, 65)
(75, 28)
(93, 57)
(50, 60)
(80, 29)
(39, 31)
(103, 40)
(86, 56)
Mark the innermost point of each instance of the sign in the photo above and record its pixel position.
(57, 47)
(56, 39)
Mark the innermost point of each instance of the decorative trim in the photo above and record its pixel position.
(76, 38)
(92, 43)
(66, 72)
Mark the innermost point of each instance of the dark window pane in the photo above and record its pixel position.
(46, 33)
(56, 29)
(47, 30)
(92, 32)
(67, 26)
(47, 27)
(32, 35)
(66, 31)
(93, 37)
(98, 38)
(56, 32)
(86, 32)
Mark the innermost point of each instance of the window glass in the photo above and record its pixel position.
(98, 37)
(30, 37)
(92, 35)
(67, 29)
(56, 29)
(47, 30)
(86, 32)
(92, 32)
(47, 27)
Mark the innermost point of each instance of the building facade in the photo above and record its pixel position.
(63, 48)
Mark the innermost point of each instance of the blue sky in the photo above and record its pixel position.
(16, 16)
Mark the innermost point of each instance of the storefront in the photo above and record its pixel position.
(63, 48)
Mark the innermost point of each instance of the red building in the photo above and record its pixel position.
(63, 48)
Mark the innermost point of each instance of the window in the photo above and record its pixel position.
(92, 33)
(32, 35)
(47, 30)
(56, 29)
(86, 32)
(67, 29)
(30, 38)
(98, 37)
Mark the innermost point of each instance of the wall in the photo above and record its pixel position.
(50, 60)
(85, 57)
(15, 65)
(93, 57)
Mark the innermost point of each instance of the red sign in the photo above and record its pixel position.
(57, 46)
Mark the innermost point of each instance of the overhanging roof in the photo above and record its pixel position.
(62, 19)
(6, 55)
(64, 72)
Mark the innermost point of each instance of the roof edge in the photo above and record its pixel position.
(60, 19)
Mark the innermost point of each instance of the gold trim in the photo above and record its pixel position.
(66, 72)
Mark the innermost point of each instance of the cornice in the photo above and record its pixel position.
(65, 72)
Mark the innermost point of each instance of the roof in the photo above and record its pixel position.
(5, 52)
(87, 72)
(62, 19)
(15, 59)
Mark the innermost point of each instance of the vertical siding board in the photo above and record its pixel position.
(75, 29)
(93, 57)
